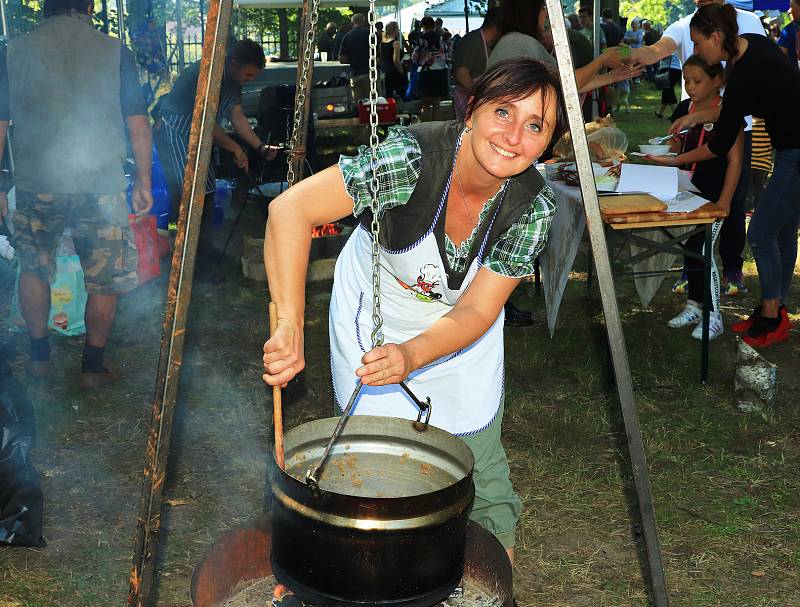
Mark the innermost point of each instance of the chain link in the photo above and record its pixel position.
(300, 97)
(377, 318)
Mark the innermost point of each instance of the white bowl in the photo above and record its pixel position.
(655, 150)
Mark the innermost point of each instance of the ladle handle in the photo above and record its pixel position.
(277, 405)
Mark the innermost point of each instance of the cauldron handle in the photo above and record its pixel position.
(313, 475)
(424, 409)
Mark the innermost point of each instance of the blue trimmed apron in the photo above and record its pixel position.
(465, 387)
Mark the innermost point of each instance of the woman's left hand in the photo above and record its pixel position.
(667, 161)
(389, 364)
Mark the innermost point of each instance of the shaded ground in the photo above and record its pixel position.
(725, 484)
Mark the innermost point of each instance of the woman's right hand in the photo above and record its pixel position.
(283, 354)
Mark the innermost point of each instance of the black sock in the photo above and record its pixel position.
(93, 359)
(40, 348)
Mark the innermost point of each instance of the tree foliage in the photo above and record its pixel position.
(659, 12)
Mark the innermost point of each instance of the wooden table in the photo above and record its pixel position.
(622, 231)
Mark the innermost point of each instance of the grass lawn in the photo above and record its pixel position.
(725, 484)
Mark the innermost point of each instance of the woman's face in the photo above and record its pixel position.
(699, 85)
(709, 48)
(509, 136)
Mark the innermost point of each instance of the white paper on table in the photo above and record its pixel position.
(685, 182)
(661, 182)
(685, 202)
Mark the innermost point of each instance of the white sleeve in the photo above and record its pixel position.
(749, 23)
(675, 32)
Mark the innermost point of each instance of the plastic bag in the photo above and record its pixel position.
(146, 238)
(21, 499)
(67, 298)
(606, 142)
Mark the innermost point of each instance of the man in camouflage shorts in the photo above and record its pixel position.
(72, 92)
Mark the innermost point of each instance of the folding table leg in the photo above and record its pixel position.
(707, 253)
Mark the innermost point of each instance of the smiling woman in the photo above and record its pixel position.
(462, 216)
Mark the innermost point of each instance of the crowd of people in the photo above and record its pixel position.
(668, 56)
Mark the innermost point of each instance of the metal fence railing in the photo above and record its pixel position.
(193, 46)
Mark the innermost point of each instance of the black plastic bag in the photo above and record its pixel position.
(21, 499)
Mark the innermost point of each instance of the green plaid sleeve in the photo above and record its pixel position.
(514, 252)
(399, 162)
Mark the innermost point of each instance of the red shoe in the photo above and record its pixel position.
(761, 335)
(744, 325)
(786, 324)
(767, 339)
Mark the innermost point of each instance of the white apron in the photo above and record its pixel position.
(465, 387)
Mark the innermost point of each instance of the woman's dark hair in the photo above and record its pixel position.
(248, 52)
(718, 18)
(61, 7)
(713, 71)
(515, 79)
(521, 16)
(427, 22)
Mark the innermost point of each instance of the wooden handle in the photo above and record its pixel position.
(277, 406)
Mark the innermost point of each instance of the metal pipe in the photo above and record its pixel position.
(121, 19)
(596, 53)
(179, 292)
(179, 33)
(605, 280)
(9, 153)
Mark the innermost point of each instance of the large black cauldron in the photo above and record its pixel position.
(390, 525)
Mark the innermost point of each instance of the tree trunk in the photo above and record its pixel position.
(283, 36)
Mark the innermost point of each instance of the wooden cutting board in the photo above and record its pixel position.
(625, 204)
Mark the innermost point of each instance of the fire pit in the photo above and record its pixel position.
(242, 557)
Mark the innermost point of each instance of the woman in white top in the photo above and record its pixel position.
(526, 30)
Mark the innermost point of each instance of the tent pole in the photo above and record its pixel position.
(596, 53)
(605, 280)
(179, 292)
(121, 20)
(4, 24)
(179, 33)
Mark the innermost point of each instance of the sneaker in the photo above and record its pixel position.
(690, 315)
(732, 288)
(743, 326)
(715, 327)
(681, 285)
(767, 338)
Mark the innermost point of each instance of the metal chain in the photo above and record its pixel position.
(300, 97)
(377, 319)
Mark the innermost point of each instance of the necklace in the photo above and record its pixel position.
(463, 198)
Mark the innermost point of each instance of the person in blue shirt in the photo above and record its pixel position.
(790, 35)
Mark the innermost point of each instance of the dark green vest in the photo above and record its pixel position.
(402, 226)
(64, 95)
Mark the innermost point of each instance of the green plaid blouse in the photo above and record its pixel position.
(398, 168)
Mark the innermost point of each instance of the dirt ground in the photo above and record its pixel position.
(725, 483)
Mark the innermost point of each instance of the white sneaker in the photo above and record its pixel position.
(690, 315)
(715, 328)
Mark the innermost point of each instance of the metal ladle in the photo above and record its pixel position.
(314, 475)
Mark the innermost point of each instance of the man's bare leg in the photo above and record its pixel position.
(34, 299)
(99, 317)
